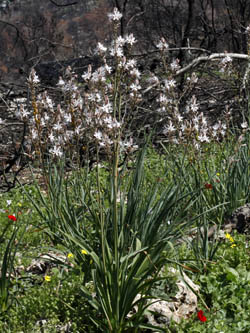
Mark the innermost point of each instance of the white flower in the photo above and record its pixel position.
(56, 151)
(8, 202)
(194, 107)
(78, 129)
(108, 68)
(51, 137)
(61, 82)
(1, 121)
(107, 108)
(244, 125)
(224, 126)
(175, 65)
(119, 52)
(222, 132)
(98, 135)
(68, 118)
(86, 76)
(120, 41)
(33, 78)
(179, 117)
(101, 48)
(115, 16)
(226, 60)
(169, 129)
(203, 138)
(170, 84)
(131, 63)
(135, 87)
(135, 72)
(162, 45)
(130, 39)
(34, 134)
(57, 127)
(216, 127)
(46, 117)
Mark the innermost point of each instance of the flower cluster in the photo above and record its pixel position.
(230, 238)
(93, 115)
(189, 126)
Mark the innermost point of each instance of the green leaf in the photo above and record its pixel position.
(232, 274)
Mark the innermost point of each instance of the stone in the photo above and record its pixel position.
(241, 218)
(161, 312)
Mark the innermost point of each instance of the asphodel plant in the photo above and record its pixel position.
(119, 228)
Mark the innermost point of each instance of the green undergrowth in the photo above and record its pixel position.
(212, 180)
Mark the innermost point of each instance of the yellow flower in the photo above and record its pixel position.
(84, 252)
(47, 278)
(233, 245)
(229, 237)
(70, 255)
(19, 204)
(218, 174)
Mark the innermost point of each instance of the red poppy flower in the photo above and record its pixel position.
(201, 316)
(12, 217)
(208, 186)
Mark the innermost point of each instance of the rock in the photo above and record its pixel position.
(161, 312)
(241, 218)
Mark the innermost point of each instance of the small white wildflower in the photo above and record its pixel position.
(61, 82)
(162, 45)
(115, 16)
(120, 41)
(78, 130)
(135, 87)
(98, 135)
(223, 133)
(51, 137)
(86, 76)
(175, 65)
(34, 134)
(131, 63)
(216, 127)
(183, 127)
(108, 68)
(162, 98)
(179, 117)
(169, 129)
(224, 126)
(119, 52)
(107, 108)
(130, 39)
(8, 202)
(33, 78)
(244, 125)
(2, 121)
(101, 48)
(226, 60)
(203, 138)
(170, 84)
(46, 117)
(68, 118)
(57, 127)
(135, 72)
(56, 151)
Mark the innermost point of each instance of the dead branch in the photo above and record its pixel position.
(211, 57)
